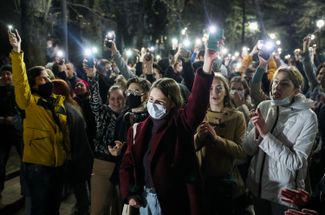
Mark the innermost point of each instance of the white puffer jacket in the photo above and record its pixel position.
(280, 159)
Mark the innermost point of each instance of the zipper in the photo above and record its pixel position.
(264, 156)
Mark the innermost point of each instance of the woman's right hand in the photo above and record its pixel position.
(15, 41)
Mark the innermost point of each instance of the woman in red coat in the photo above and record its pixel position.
(159, 171)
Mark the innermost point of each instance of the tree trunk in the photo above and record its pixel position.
(34, 30)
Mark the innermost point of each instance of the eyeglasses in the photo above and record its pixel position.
(135, 93)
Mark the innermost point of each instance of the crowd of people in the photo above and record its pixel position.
(189, 134)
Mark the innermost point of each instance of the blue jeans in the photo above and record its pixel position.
(152, 206)
(43, 188)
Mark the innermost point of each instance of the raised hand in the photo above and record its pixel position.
(302, 212)
(15, 41)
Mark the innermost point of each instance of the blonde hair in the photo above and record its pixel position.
(294, 75)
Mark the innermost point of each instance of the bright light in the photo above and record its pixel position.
(320, 23)
(272, 36)
(253, 26)
(236, 54)
(233, 58)
(245, 49)
(278, 42)
(174, 41)
(60, 53)
(10, 27)
(212, 29)
(94, 50)
(229, 55)
(186, 43)
(87, 52)
(269, 45)
(183, 32)
(312, 37)
(158, 57)
(224, 51)
(279, 50)
(287, 57)
(205, 37)
(198, 42)
(110, 34)
(128, 53)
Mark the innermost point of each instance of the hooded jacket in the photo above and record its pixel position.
(280, 159)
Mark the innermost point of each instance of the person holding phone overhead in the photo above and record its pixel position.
(159, 171)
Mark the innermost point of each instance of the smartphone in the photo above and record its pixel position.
(109, 38)
(214, 40)
(266, 48)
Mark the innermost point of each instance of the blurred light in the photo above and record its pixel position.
(269, 45)
(186, 43)
(238, 65)
(152, 48)
(233, 58)
(212, 29)
(224, 51)
(174, 41)
(205, 37)
(253, 26)
(183, 32)
(94, 50)
(279, 50)
(278, 42)
(128, 52)
(60, 53)
(272, 36)
(10, 27)
(320, 23)
(229, 55)
(87, 52)
(236, 54)
(245, 49)
(312, 37)
(198, 42)
(158, 57)
(287, 57)
(110, 34)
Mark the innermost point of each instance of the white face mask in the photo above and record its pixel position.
(240, 92)
(281, 102)
(156, 111)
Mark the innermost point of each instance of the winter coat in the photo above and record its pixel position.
(45, 140)
(280, 159)
(174, 168)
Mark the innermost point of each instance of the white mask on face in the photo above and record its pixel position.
(156, 111)
(281, 102)
(240, 92)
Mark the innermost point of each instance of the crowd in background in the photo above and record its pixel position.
(196, 132)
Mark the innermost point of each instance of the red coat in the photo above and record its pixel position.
(173, 164)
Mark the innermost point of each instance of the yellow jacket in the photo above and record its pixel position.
(44, 142)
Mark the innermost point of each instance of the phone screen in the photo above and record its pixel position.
(214, 39)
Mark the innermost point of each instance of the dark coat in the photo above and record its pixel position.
(174, 167)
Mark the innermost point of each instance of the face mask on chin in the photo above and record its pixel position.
(45, 90)
(156, 111)
(281, 102)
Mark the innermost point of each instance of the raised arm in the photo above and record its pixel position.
(95, 98)
(308, 67)
(23, 93)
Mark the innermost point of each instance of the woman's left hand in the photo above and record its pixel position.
(259, 122)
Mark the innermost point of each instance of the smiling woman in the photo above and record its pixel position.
(281, 142)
